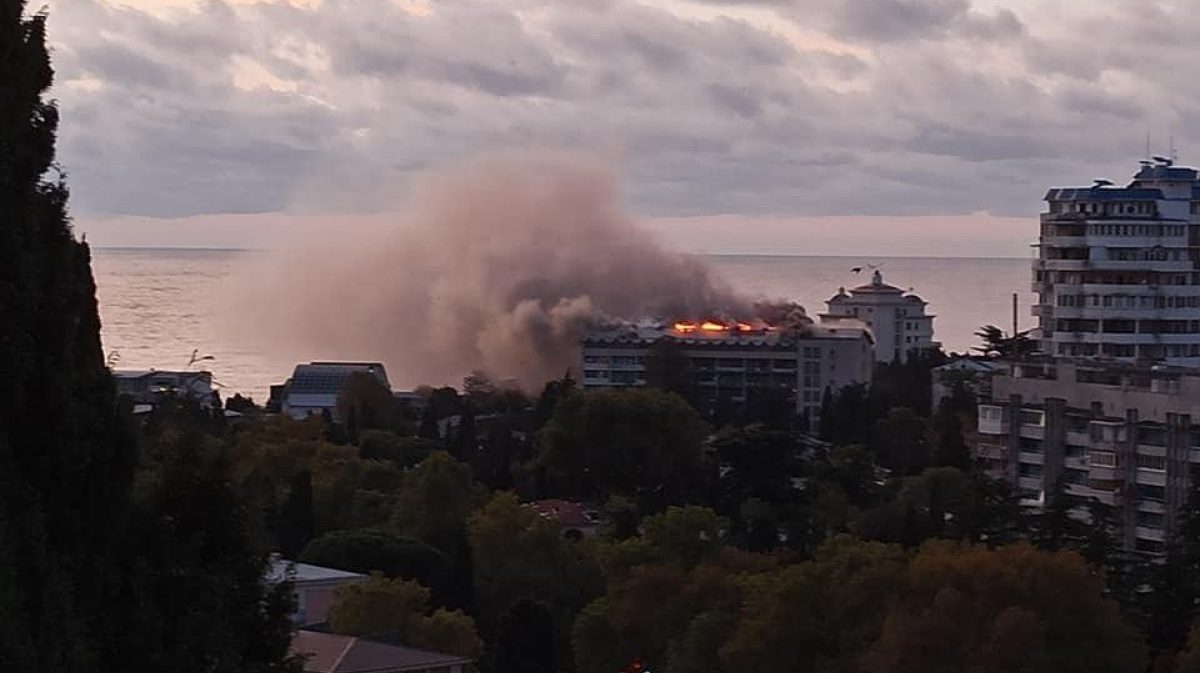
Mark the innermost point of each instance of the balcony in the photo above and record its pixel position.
(1156, 534)
(1030, 458)
(1032, 431)
(1078, 438)
(1076, 462)
(1152, 477)
(1104, 473)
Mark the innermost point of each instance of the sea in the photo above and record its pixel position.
(162, 308)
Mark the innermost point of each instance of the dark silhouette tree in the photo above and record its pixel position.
(66, 462)
(525, 639)
(951, 449)
(92, 578)
(997, 343)
(429, 423)
(466, 438)
(296, 524)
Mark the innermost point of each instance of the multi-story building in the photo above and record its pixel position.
(727, 362)
(897, 318)
(1118, 433)
(1118, 268)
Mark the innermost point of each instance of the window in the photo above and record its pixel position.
(1151, 493)
(1151, 520)
(1152, 462)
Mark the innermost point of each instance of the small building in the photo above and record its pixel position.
(314, 387)
(329, 653)
(897, 319)
(314, 587)
(151, 386)
(576, 520)
(974, 375)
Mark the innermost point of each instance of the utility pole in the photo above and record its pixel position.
(1014, 315)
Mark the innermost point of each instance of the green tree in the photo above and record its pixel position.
(525, 640)
(368, 551)
(400, 609)
(518, 554)
(81, 587)
(1012, 609)
(996, 343)
(296, 523)
(466, 440)
(365, 403)
(403, 451)
(951, 449)
(428, 428)
(1189, 659)
(639, 442)
(900, 442)
(684, 536)
(435, 500)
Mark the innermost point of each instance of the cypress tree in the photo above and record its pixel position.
(296, 516)
(89, 579)
(66, 459)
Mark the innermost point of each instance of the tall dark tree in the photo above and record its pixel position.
(1171, 604)
(525, 639)
(951, 449)
(429, 423)
(92, 579)
(466, 438)
(296, 524)
(66, 464)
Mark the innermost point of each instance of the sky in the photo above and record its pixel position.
(924, 127)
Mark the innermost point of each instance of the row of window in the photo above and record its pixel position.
(1155, 352)
(1120, 326)
(1126, 301)
(1104, 208)
(1136, 277)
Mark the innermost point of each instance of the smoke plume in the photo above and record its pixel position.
(499, 265)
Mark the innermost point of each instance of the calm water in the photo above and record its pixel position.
(157, 305)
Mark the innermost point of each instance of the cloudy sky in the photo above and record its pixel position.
(739, 125)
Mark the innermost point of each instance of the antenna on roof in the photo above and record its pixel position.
(1147, 143)
(1174, 151)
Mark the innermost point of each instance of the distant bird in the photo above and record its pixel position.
(859, 269)
(196, 357)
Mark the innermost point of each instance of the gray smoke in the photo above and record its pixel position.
(498, 266)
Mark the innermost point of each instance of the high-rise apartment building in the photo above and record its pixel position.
(1118, 268)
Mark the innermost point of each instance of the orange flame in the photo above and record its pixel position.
(685, 327)
(745, 327)
(710, 326)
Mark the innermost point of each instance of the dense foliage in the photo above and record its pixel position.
(109, 560)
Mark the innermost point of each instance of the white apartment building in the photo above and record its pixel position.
(729, 361)
(1117, 269)
(1118, 433)
(896, 318)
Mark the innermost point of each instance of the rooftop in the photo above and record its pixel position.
(717, 334)
(327, 378)
(329, 653)
(282, 568)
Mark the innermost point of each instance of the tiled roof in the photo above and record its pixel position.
(565, 512)
(329, 653)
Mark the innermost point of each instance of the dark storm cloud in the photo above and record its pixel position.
(847, 106)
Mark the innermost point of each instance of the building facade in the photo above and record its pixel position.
(1118, 433)
(897, 319)
(1117, 271)
(150, 387)
(727, 363)
(313, 388)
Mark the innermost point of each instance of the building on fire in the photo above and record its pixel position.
(728, 361)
